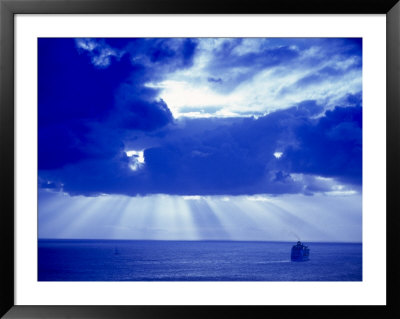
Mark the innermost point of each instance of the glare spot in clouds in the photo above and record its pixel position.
(180, 94)
(136, 159)
(278, 154)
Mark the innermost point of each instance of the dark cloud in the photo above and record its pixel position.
(331, 147)
(214, 80)
(144, 115)
(74, 141)
(70, 87)
(202, 157)
(83, 106)
(178, 52)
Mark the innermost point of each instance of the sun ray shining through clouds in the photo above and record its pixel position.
(232, 139)
(317, 218)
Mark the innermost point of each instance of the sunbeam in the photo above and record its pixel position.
(163, 217)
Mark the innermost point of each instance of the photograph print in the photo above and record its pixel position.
(199, 159)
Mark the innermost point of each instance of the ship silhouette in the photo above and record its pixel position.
(300, 252)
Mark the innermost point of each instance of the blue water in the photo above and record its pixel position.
(136, 260)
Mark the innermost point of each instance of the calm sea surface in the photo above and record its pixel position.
(136, 260)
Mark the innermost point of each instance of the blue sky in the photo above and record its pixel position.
(210, 138)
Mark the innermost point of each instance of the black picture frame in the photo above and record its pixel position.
(8, 9)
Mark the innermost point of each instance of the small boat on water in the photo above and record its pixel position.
(300, 252)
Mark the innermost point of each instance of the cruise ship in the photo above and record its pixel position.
(300, 252)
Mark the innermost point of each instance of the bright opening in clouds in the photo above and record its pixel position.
(210, 138)
(136, 159)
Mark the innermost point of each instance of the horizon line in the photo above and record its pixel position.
(201, 240)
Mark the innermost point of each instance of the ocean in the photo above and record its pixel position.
(142, 260)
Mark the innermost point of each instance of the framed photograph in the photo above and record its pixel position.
(167, 159)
